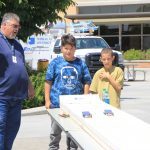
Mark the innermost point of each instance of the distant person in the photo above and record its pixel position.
(15, 85)
(109, 77)
(66, 75)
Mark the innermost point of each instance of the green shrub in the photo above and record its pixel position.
(29, 69)
(37, 78)
(133, 54)
(147, 55)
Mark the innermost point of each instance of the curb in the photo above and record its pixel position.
(34, 111)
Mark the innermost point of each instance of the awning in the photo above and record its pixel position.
(113, 18)
(121, 20)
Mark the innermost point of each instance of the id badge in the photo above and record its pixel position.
(14, 59)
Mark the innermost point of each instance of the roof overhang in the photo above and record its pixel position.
(108, 15)
(113, 18)
(121, 20)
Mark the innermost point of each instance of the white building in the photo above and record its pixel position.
(123, 22)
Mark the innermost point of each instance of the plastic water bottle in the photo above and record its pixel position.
(105, 96)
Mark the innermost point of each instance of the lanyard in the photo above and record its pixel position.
(14, 58)
(9, 45)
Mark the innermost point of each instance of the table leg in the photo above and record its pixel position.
(68, 143)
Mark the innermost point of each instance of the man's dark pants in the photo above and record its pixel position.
(10, 117)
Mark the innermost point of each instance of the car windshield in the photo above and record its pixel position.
(85, 43)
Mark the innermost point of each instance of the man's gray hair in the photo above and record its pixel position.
(10, 16)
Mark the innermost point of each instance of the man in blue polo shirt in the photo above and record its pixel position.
(14, 81)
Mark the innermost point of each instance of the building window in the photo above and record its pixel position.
(146, 8)
(112, 41)
(131, 29)
(110, 9)
(146, 28)
(131, 8)
(131, 35)
(146, 42)
(98, 9)
(113, 9)
(109, 30)
(89, 10)
(129, 42)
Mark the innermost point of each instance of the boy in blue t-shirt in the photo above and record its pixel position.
(67, 75)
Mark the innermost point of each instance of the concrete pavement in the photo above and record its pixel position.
(135, 97)
(35, 127)
(34, 133)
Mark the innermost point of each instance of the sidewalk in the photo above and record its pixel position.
(34, 111)
(34, 131)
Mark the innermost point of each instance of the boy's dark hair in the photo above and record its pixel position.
(107, 50)
(68, 39)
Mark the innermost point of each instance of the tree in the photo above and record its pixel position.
(34, 12)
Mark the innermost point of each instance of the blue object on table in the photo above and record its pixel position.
(86, 114)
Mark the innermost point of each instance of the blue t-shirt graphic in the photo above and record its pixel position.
(68, 78)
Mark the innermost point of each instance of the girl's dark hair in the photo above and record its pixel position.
(68, 39)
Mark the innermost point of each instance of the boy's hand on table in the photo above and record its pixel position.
(47, 104)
